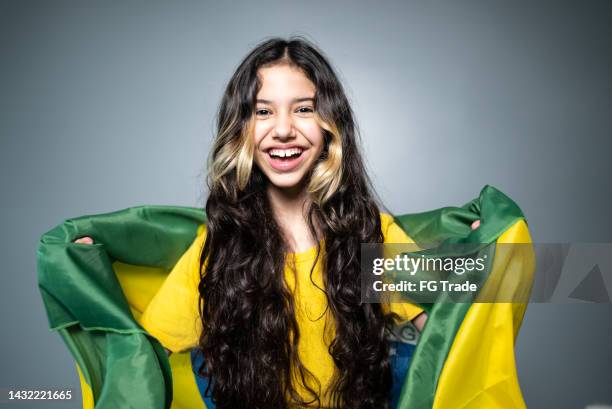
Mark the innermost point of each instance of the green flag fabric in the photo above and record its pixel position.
(93, 295)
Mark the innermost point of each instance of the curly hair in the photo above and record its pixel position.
(250, 334)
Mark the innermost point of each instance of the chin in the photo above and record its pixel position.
(280, 180)
(286, 182)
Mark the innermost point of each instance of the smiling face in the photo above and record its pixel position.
(288, 139)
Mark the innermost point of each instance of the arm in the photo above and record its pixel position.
(172, 315)
(420, 320)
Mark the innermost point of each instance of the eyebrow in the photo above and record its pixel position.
(267, 101)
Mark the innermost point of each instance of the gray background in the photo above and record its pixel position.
(108, 105)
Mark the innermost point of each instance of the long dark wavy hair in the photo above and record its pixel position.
(250, 334)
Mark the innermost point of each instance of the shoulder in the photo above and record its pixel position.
(391, 231)
(186, 271)
(200, 234)
(172, 315)
(195, 250)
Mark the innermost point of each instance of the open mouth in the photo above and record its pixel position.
(285, 154)
(286, 160)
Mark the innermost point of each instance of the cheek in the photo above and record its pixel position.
(259, 131)
(258, 135)
(314, 134)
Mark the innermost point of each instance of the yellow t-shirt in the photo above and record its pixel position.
(172, 315)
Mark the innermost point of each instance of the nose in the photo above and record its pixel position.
(283, 127)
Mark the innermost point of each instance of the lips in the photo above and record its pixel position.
(285, 159)
(285, 147)
(285, 153)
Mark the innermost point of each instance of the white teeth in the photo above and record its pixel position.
(282, 153)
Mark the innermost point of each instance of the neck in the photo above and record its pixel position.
(290, 207)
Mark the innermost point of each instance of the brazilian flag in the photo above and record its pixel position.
(94, 296)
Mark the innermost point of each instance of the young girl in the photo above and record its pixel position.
(270, 290)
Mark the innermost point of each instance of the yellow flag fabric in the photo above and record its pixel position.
(480, 371)
(95, 296)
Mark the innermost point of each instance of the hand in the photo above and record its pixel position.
(419, 321)
(476, 224)
(84, 240)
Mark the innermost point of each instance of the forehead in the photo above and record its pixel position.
(284, 81)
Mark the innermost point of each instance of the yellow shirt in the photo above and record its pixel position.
(172, 315)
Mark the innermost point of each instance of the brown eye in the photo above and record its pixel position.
(262, 112)
(305, 110)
